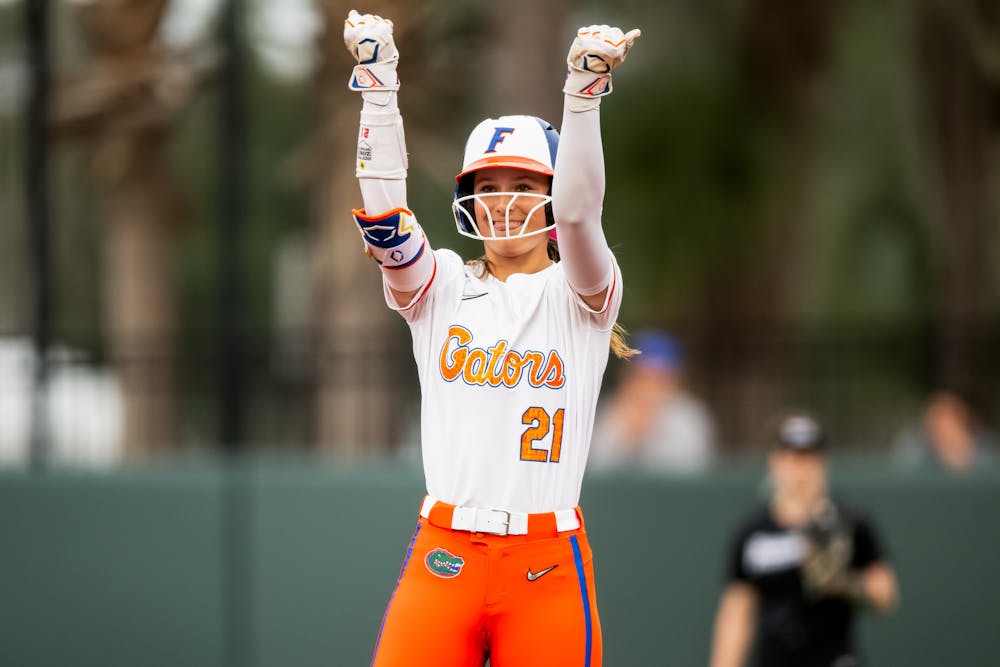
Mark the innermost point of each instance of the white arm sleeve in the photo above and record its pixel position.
(577, 199)
(381, 194)
(382, 144)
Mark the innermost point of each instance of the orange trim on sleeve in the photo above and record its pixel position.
(360, 213)
(611, 287)
(607, 297)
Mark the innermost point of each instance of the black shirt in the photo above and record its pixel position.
(795, 629)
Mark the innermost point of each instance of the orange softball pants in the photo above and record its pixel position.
(520, 600)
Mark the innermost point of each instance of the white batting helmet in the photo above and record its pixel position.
(521, 142)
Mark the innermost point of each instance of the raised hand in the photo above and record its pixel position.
(595, 52)
(368, 39)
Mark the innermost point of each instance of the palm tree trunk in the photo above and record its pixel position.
(526, 58)
(115, 102)
(785, 52)
(140, 310)
(960, 88)
(356, 331)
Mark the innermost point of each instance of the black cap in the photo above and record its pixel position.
(799, 432)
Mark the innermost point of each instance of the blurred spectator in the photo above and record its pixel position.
(947, 437)
(651, 421)
(799, 567)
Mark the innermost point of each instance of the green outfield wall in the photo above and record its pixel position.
(291, 565)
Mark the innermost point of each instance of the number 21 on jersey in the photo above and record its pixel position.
(540, 424)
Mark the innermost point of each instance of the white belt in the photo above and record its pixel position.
(498, 522)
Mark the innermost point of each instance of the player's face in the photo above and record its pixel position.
(799, 474)
(517, 211)
(507, 201)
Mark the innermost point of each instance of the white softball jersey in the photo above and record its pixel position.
(510, 374)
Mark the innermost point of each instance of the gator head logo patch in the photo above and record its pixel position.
(443, 564)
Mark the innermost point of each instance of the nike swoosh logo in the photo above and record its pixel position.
(535, 575)
(466, 297)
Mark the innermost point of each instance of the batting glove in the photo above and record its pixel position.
(596, 51)
(369, 39)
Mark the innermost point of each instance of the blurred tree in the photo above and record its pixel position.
(13, 258)
(525, 59)
(958, 53)
(785, 52)
(123, 103)
(355, 329)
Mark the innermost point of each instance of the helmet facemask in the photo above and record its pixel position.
(530, 204)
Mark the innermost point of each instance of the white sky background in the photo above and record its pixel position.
(280, 33)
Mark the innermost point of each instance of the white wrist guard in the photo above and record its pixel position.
(375, 81)
(395, 241)
(374, 77)
(381, 146)
(584, 89)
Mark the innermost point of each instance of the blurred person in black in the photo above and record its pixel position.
(800, 567)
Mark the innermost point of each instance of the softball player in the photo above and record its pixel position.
(510, 350)
(801, 567)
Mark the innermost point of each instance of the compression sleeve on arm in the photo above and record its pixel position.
(577, 199)
(392, 235)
